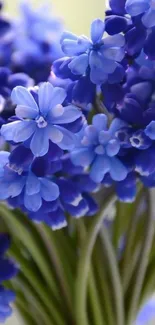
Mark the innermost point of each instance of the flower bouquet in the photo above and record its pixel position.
(77, 164)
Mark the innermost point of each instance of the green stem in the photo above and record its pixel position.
(114, 276)
(34, 244)
(51, 244)
(38, 285)
(142, 264)
(103, 284)
(84, 265)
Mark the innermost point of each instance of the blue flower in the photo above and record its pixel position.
(145, 7)
(118, 7)
(21, 179)
(41, 121)
(99, 55)
(8, 269)
(99, 148)
(147, 313)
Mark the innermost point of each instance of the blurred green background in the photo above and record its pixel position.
(77, 14)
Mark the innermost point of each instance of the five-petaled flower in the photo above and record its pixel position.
(99, 148)
(42, 119)
(98, 55)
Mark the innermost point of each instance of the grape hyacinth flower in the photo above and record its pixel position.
(146, 8)
(98, 56)
(41, 120)
(99, 148)
(7, 270)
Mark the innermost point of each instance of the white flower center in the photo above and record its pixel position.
(41, 122)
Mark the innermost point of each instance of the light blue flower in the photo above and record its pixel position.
(146, 7)
(41, 120)
(98, 149)
(100, 55)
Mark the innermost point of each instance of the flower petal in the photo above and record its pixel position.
(26, 112)
(100, 121)
(114, 53)
(117, 40)
(136, 7)
(21, 96)
(32, 184)
(118, 171)
(97, 30)
(50, 97)
(82, 157)
(150, 130)
(33, 202)
(79, 64)
(18, 131)
(99, 62)
(113, 148)
(68, 140)
(71, 114)
(149, 18)
(55, 135)
(40, 142)
(56, 220)
(99, 168)
(49, 190)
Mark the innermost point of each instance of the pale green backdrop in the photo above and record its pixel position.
(77, 14)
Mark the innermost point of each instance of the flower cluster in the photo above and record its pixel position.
(7, 270)
(77, 114)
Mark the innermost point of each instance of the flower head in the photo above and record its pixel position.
(98, 56)
(99, 148)
(41, 120)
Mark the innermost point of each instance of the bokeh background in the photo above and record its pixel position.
(77, 14)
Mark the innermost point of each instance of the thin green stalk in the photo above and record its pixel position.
(34, 245)
(84, 265)
(41, 290)
(114, 275)
(103, 284)
(30, 295)
(142, 264)
(51, 244)
(95, 300)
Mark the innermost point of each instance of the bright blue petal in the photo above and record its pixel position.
(69, 193)
(99, 62)
(71, 113)
(100, 121)
(118, 171)
(117, 40)
(82, 157)
(55, 135)
(40, 142)
(49, 190)
(33, 202)
(150, 130)
(50, 97)
(91, 135)
(116, 125)
(21, 96)
(26, 112)
(73, 47)
(145, 161)
(68, 140)
(149, 18)
(99, 168)
(136, 7)
(15, 188)
(32, 184)
(113, 148)
(97, 30)
(4, 155)
(114, 53)
(79, 64)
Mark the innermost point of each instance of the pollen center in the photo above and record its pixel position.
(41, 122)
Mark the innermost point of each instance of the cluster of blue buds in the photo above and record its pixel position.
(77, 114)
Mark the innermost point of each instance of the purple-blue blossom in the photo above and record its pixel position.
(96, 56)
(98, 149)
(146, 8)
(42, 120)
